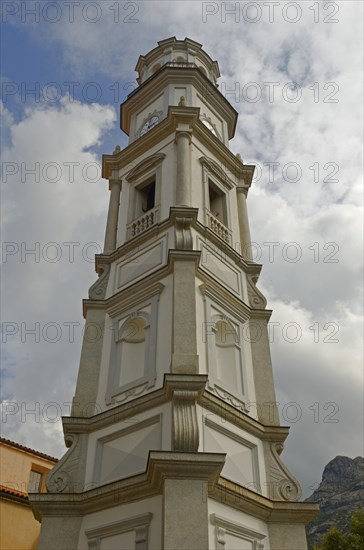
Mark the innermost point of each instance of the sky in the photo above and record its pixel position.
(293, 71)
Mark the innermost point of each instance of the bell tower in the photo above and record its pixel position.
(174, 437)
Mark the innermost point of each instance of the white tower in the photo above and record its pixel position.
(174, 435)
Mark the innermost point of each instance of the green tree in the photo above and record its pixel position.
(335, 540)
(357, 523)
(355, 539)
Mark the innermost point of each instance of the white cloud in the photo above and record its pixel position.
(43, 216)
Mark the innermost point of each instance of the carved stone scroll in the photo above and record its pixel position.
(282, 484)
(256, 298)
(185, 427)
(183, 233)
(67, 475)
(98, 290)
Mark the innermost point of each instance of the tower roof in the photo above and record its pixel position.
(176, 51)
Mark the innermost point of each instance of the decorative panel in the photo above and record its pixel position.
(125, 452)
(142, 263)
(131, 533)
(132, 367)
(220, 269)
(230, 535)
(242, 455)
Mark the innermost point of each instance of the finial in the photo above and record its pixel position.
(116, 150)
(182, 101)
(238, 156)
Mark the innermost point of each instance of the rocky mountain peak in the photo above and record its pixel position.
(340, 492)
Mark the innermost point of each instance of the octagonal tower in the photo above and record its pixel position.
(174, 434)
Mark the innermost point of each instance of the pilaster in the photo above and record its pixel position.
(84, 401)
(262, 371)
(184, 336)
(245, 240)
(183, 181)
(112, 217)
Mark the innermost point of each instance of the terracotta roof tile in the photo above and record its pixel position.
(27, 449)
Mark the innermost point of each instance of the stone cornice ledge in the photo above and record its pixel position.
(156, 230)
(173, 382)
(239, 418)
(161, 465)
(272, 511)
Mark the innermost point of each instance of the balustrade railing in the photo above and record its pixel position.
(218, 227)
(141, 224)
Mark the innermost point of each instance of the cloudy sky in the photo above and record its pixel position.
(293, 72)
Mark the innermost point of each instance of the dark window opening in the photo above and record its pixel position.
(148, 197)
(217, 201)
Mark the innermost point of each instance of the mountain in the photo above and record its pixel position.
(340, 492)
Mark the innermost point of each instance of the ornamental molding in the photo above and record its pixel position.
(227, 396)
(123, 301)
(142, 167)
(116, 390)
(183, 233)
(160, 396)
(185, 435)
(222, 298)
(256, 298)
(163, 465)
(282, 485)
(140, 524)
(224, 526)
(98, 290)
(127, 249)
(68, 475)
(212, 167)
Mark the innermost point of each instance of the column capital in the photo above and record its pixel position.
(113, 182)
(183, 133)
(242, 189)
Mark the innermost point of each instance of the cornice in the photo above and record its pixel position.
(173, 382)
(159, 50)
(243, 499)
(161, 465)
(164, 465)
(165, 129)
(123, 300)
(216, 170)
(242, 420)
(183, 75)
(248, 267)
(146, 164)
(184, 256)
(211, 289)
(141, 289)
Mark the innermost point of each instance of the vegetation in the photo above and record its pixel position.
(335, 540)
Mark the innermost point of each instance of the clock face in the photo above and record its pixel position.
(209, 126)
(151, 122)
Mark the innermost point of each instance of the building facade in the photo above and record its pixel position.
(22, 471)
(174, 433)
